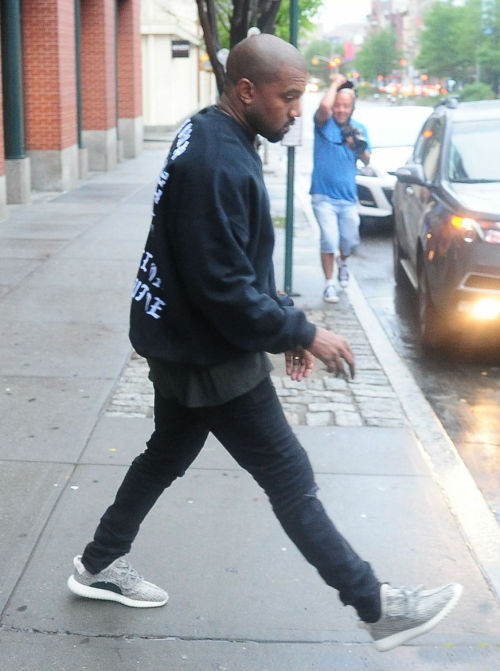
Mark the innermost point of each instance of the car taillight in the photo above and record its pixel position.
(470, 228)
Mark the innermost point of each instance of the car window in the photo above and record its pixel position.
(432, 134)
(474, 151)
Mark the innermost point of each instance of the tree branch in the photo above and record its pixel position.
(266, 22)
(239, 21)
(206, 13)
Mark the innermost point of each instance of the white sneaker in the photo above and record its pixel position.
(407, 613)
(118, 582)
(330, 295)
(343, 275)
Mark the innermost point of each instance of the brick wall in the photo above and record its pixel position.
(129, 59)
(49, 74)
(98, 64)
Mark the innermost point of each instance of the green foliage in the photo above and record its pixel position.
(477, 91)
(325, 50)
(462, 42)
(321, 48)
(378, 55)
(307, 11)
(427, 101)
(224, 10)
(489, 46)
(447, 43)
(366, 90)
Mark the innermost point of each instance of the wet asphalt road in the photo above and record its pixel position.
(463, 387)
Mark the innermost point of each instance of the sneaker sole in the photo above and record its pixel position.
(331, 300)
(390, 642)
(106, 595)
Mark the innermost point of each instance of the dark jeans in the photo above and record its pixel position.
(255, 432)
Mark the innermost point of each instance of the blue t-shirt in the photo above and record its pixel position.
(334, 170)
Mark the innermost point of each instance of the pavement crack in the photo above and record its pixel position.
(169, 637)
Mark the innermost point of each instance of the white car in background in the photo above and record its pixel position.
(392, 132)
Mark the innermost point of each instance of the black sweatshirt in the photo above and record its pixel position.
(205, 289)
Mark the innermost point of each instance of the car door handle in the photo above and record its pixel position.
(409, 190)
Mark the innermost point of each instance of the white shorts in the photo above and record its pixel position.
(338, 222)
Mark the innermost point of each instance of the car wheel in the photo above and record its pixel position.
(430, 322)
(399, 273)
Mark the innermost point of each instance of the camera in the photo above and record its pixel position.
(360, 144)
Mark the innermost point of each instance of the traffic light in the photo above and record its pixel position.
(334, 62)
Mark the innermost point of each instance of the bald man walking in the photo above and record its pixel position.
(205, 310)
(339, 141)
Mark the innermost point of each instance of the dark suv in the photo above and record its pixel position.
(447, 221)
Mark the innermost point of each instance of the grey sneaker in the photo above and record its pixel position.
(117, 582)
(408, 613)
(343, 275)
(330, 295)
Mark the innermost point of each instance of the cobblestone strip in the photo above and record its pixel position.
(321, 400)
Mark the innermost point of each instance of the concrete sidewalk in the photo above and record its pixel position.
(76, 409)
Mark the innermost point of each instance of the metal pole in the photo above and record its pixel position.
(78, 71)
(12, 79)
(117, 94)
(294, 29)
(294, 22)
(289, 220)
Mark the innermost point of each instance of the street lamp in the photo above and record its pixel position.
(332, 62)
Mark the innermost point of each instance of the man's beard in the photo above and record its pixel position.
(280, 134)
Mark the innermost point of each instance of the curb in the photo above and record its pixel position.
(476, 521)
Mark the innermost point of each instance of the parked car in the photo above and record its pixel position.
(392, 132)
(447, 221)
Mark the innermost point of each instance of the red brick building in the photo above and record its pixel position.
(71, 91)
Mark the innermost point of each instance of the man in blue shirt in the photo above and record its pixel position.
(339, 142)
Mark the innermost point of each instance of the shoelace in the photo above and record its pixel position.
(128, 575)
(404, 598)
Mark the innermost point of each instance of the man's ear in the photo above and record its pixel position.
(245, 90)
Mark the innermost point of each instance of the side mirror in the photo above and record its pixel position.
(411, 173)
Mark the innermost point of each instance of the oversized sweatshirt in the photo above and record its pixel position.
(205, 290)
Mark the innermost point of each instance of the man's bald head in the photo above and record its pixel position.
(265, 79)
(261, 58)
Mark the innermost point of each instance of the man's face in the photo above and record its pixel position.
(343, 106)
(276, 104)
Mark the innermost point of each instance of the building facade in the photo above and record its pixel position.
(176, 78)
(71, 98)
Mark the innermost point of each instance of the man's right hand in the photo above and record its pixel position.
(333, 350)
(338, 79)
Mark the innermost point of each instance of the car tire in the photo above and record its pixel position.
(431, 325)
(399, 273)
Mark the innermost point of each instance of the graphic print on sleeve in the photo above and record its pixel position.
(148, 278)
